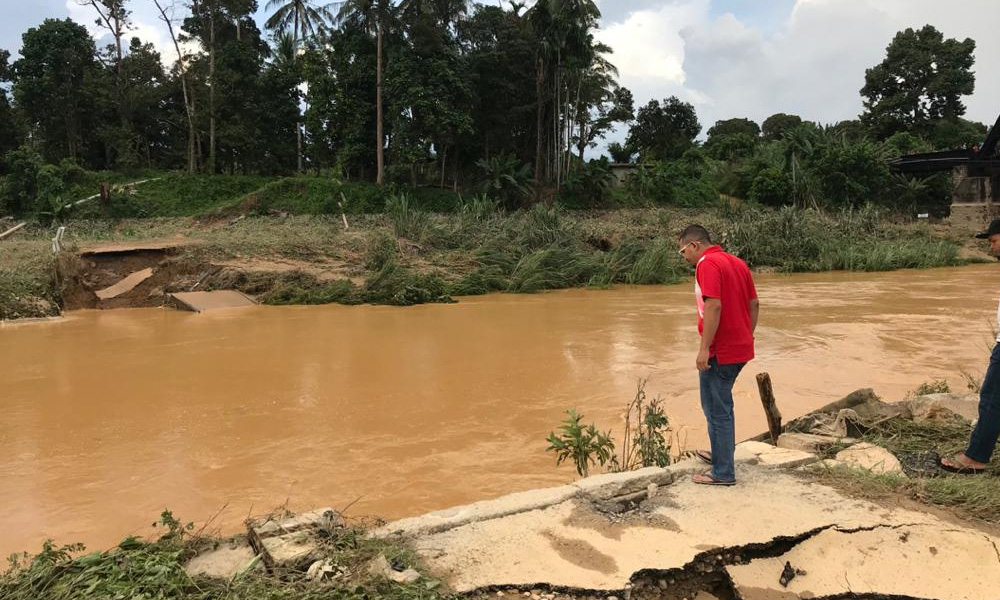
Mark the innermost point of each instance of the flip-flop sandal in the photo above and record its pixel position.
(962, 470)
(707, 479)
(704, 455)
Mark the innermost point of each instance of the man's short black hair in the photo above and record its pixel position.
(695, 233)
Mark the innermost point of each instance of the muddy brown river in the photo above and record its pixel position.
(110, 417)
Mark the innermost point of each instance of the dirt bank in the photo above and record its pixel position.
(411, 257)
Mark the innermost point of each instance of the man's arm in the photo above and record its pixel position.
(713, 312)
(754, 309)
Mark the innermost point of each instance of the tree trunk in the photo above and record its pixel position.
(539, 120)
(379, 136)
(444, 162)
(188, 102)
(211, 92)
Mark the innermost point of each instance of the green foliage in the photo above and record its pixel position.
(937, 386)
(920, 81)
(620, 153)
(584, 446)
(678, 182)
(407, 221)
(774, 127)
(505, 179)
(852, 174)
(955, 132)
(771, 186)
(647, 434)
(793, 239)
(664, 131)
(589, 186)
(20, 186)
(56, 84)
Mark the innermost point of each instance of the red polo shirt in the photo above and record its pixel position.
(723, 276)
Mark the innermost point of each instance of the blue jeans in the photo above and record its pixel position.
(984, 436)
(717, 402)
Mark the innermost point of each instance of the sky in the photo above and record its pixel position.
(729, 58)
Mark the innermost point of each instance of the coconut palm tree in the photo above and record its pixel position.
(301, 16)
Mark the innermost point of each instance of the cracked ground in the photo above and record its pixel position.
(773, 536)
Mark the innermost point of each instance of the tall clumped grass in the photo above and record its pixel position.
(863, 239)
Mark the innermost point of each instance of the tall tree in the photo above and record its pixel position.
(302, 17)
(10, 134)
(115, 17)
(921, 80)
(664, 131)
(53, 86)
(775, 126)
(186, 89)
(373, 16)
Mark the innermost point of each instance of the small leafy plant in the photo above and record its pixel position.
(586, 446)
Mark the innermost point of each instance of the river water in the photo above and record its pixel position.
(111, 416)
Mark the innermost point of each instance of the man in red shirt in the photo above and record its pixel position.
(727, 317)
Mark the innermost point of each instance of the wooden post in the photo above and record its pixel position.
(105, 194)
(770, 406)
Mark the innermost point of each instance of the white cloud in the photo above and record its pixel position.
(813, 65)
(146, 24)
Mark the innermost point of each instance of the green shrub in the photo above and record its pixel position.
(771, 186)
(585, 446)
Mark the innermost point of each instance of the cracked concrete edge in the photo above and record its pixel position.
(599, 487)
(606, 486)
(457, 516)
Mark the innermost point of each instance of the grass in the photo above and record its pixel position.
(972, 496)
(154, 570)
(28, 285)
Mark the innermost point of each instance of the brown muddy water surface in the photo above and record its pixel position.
(108, 417)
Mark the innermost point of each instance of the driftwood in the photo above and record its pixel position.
(770, 406)
(11, 231)
(855, 398)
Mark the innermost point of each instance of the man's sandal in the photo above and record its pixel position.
(704, 455)
(953, 465)
(707, 479)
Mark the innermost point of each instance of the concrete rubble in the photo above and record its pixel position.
(871, 458)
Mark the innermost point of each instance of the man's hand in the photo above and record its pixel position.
(702, 361)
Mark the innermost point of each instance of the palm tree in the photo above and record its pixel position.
(303, 17)
(372, 16)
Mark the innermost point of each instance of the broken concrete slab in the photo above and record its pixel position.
(203, 301)
(811, 443)
(943, 407)
(609, 485)
(126, 285)
(223, 563)
(322, 518)
(290, 543)
(138, 246)
(571, 544)
(785, 458)
(290, 551)
(910, 561)
(870, 457)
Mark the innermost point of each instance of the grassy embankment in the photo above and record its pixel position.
(154, 570)
(413, 246)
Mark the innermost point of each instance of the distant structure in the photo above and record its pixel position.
(975, 173)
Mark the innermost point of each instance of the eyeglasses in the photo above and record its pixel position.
(684, 247)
